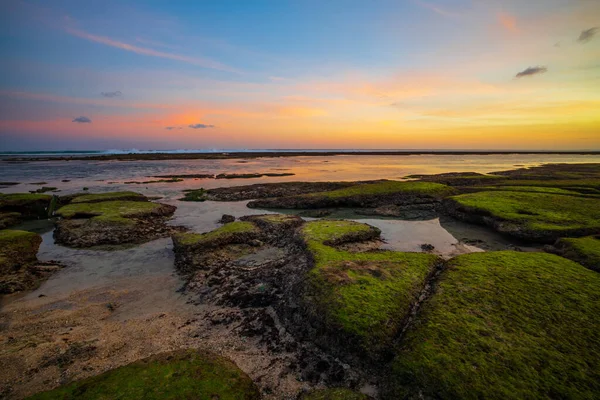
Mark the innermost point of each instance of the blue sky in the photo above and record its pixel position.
(308, 74)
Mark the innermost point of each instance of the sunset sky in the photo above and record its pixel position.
(403, 74)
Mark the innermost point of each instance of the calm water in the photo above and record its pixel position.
(111, 175)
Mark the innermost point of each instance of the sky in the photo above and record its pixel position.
(326, 74)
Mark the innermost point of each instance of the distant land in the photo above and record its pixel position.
(237, 153)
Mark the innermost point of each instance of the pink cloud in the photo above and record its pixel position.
(509, 22)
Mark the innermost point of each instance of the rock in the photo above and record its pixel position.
(226, 218)
(427, 247)
(113, 222)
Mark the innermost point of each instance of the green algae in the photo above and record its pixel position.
(190, 374)
(8, 219)
(505, 325)
(91, 198)
(220, 234)
(194, 195)
(534, 189)
(389, 187)
(585, 250)
(109, 211)
(536, 212)
(17, 248)
(366, 295)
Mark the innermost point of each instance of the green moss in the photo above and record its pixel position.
(505, 325)
(536, 211)
(9, 219)
(331, 231)
(366, 295)
(334, 394)
(23, 198)
(585, 251)
(194, 195)
(390, 187)
(219, 233)
(17, 248)
(188, 375)
(90, 198)
(534, 189)
(113, 211)
(558, 183)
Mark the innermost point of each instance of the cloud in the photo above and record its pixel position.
(82, 120)
(200, 62)
(531, 71)
(436, 9)
(200, 126)
(588, 34)
(509, 22)
(116, 93)
(170, 128)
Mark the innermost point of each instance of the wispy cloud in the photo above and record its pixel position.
(200, 62)
(170, 128)
(532, 71)
(116, 93)
(200, 126)
(588, 34)
(82, 120)
(437, 9)
(508, 21)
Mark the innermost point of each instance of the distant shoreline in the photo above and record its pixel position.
(270, 154)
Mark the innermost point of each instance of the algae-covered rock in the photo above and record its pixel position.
(542, 217)
(363, 195)
(585, 250)
(8, 219)
(200, 250)
(29, 205)
(110, 196)
(186, 374)
(18, 252)
(276, 226)
(17, 248)
(505, 325)
(112, 222)
(360, 298)
(334, 394)
(263, 190)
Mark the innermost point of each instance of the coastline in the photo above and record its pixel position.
(275, 154)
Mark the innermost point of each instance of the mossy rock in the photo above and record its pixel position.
(363, 195)
(334, 394)
(190, 374)
(194, 195)
(585, 251)
(542, 217)
(505, 325)
(233, 233)
(458, 178)
(17, 248)
(8, 219)
(112, 223)
(118, 211)
(274, 224)
(111, 196)
(364, 298)
(534, 189)
(29, 205)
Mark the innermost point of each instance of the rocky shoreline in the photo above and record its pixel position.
(335, 315)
